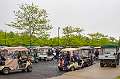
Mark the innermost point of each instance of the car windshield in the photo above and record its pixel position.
(109, 50)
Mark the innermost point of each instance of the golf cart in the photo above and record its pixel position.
(33, 54)
(109, 56)
(45, 53)
(87, 55)
(71, 64)
(15, 59)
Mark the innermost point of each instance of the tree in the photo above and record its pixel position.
(96, 38)
(78, 30)
(97, 35)
(68, 32)
(31, 19)
(113, 39)
(119, 41)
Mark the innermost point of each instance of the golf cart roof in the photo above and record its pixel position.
(86, 48)
(109, 46)
(97, 47)
(12, 49)
(68, 49)
(59, 47)
(46, 47)
(2, 46)
(32, 47)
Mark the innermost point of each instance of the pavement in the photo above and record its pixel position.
(49, 70)
(41, 70)
(92, 72)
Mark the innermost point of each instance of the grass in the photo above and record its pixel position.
(117, 77)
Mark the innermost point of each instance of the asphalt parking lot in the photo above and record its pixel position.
(49, 70)
(92, 72)
(41, 70)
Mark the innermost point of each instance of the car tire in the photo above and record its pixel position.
(29, 68)
(6, 71)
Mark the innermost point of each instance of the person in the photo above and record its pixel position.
(76, 58)
(68, 56)
(61, 61)
(2, 59)
(66, 60)
(57, 53)
(96, 53)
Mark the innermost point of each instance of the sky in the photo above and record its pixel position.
(91, 15)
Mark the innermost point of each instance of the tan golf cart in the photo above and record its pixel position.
(16, 59)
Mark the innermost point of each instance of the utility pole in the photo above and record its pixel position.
(30, 38)
(68, 38)
(58, 36)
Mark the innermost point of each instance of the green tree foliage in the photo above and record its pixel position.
(15, 39)
(119, 41)
(31, 18)
(69, 32)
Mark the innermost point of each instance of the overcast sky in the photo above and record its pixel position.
(91, 15)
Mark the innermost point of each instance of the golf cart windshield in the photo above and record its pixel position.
(43, 51)
(85, 53)
(109, 50)
(13, 52)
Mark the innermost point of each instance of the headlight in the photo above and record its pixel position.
(1, 68)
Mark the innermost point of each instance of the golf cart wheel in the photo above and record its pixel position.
(5, 71)
(36, 61)
(85, 64)
(29, 68)
(82, 66)
(39, 59)
(101, 65)
(114, 65)
(72, 68)
(60, 69)
(45, 59)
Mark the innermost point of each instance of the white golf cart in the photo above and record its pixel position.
(16, 59)
(45, 53)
